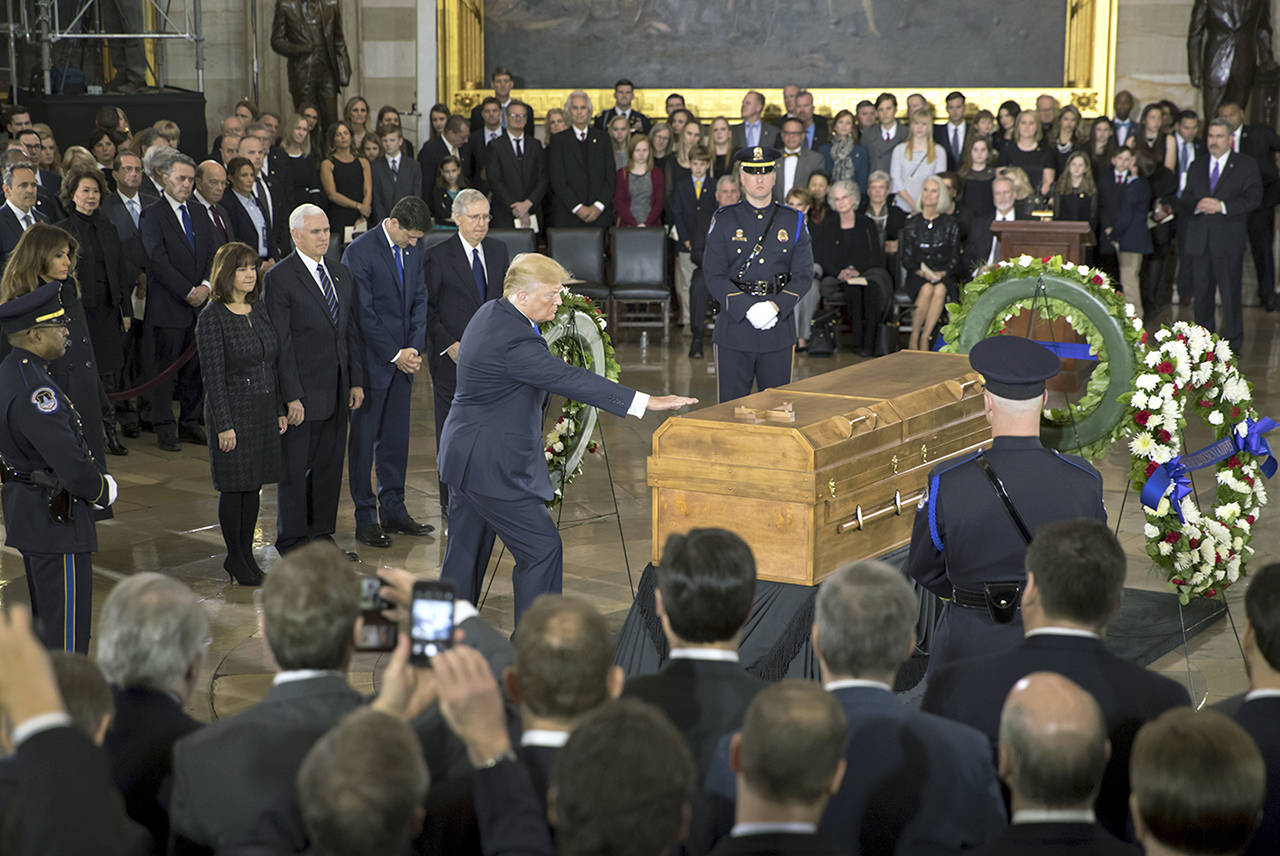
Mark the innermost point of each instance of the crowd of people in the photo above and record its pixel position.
(538, 744)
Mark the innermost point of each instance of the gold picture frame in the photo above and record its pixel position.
(1088, 78)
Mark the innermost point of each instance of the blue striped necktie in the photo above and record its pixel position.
(330, 296)
(187, 227)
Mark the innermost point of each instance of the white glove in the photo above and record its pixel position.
(773, 322)
(112, 492)
(761, 314)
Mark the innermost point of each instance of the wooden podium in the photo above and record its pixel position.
(1066, 238)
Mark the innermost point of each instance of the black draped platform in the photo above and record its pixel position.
(71, 116)
(775, 640)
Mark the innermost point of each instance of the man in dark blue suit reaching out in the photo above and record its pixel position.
(491, 454)
(391, 288)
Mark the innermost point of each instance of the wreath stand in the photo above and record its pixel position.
(616, 513)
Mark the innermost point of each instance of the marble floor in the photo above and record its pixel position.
(166, 520)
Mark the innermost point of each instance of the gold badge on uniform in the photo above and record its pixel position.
(757, 153)
(738, 236)
(782, 236)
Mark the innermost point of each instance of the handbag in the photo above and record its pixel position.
(824, 333)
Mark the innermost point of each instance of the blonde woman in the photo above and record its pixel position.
(930, 252)
(913, 161)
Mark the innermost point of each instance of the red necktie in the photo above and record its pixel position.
(217, 221)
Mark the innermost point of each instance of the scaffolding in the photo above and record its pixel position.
(39, 23)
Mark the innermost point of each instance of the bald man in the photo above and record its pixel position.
(1052, 755)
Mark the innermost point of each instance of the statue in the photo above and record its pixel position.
(309, 34)
(1228, 44)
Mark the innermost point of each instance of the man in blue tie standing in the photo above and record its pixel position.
(391, 289)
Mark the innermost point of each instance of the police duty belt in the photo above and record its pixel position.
(1000, 600)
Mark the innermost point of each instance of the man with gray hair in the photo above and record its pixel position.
(151, 639)
(944, 797)
(461, 275)
(980, 510)
(180, 242)
(1053, 750)
(156, 160)
(19, 211)
(581, 169)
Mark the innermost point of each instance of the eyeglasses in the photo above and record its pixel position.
(479, 218)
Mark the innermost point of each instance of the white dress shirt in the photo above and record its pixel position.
(289, 676)
(1051, 630)
(393, 162)
(1255, 694)
(310, 264)
(855, 683)
(711, 655)
(789, 165)
(1001, 217)
(544, 737)
(250, 205)
(766, 828)
(1054, 815)
(17, 212)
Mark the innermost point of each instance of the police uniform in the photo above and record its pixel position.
(754, 256)
(44, 453)
(966, 546)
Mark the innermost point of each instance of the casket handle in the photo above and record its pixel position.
(860, 519)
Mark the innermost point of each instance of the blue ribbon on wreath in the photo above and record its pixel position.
(1062, 350)
(1177, 470)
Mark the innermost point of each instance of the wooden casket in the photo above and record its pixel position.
(820, 472)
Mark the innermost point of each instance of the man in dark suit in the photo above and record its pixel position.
(563, 671)
(951, 134)
(322, 376)
(272, 194)
(1261, 143)
(789, 759)
(19, 212)
(981, 246)
(798, 161)
(884, 135)
(476, 149)
(1075, 582)
(462, 273)
(1123, 118)
(390, 285)
(727, 193)
(706, 585)
(150, 645)
(815, 127)
(210, 193)
(48, 180)
(753, 131)
(490, 451)
(395, 176)
(502, 84)
(515, 171)
(1123, 200)
(227, 773)
(623, 93)
(582, 170)
(1221, 190)
(1053, 750)
(180, 242)
(1259, 713)
(124, 209)
(448, 143)
(915, 782)
(692, 203)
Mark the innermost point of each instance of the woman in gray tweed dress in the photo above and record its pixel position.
(243, 414)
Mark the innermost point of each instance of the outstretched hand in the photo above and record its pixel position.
(669, 402)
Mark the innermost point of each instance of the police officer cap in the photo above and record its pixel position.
(1013, 367)
(757, 160)
(39, 308)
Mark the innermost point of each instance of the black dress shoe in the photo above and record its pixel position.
(695, 349)
(169, 444)
(408, 526)
(373, 536)
(352, 555)
(130, 430)
(195, 434)
(114, 446)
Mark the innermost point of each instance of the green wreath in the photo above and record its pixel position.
(1086, 299)
(576, 335)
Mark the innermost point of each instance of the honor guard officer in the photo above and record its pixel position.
(758, 262)
(51, 481)
(980, 511)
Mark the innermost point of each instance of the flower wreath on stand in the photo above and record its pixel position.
(576, 335)
(985, 311)
(1202, 552)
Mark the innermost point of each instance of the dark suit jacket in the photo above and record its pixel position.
(60, 770)
(1239, 188)
(512, 820)
(173, 268)
(392, 315)
(704, 698)
(139, 746)
(433, 151)
(581, 174)
(240, 225)
(1057, 839)
(942, 137)
(1123, 210)
(692, 214)
(280, 187)
(808, 162)
(539, 760)
(452, 299)
(768, 133)
(977, 242)
(821, 133)
(766, 843)
(389, 189)
(476, 156)
(226, 773)
(645, 123)
(118, 286)
(47, 204)
(11, 230)
(512, 181)
(1261, 718)
(135, 257)
(491, 443)
(973, 691)
(1261, 143)
(317, 364)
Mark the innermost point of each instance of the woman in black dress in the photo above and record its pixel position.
(1028, 153)
(878, 207)
(347, 183)
(852, 260)
(930, 251)
(1102, 145)
(1075, 194)
(304, 171)
(242, 409)
(104, 286)
(1006, 125)
(449, 182)
(45, 254)
(1151, 136)
(1066, 136)
(977, 169)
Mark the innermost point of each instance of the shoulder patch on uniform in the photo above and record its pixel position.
(45, 399)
